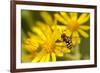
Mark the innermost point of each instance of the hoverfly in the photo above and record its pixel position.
(67, 40)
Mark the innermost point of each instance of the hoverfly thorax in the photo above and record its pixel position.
(67, 40)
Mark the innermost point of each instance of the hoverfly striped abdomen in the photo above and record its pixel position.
(67, 40)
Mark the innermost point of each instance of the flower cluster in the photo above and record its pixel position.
(46, 44)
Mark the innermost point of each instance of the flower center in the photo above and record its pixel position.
(73, 26)
(48, 46)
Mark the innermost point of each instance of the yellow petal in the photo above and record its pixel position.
(60, 19)
(75, 38)
(68, 32)
(76, 41)
(84, 34)
(73, 16)
(66, 50)
(65, 16)
(84, 27)
(43, 58)
(60, 44)
(47, 57)
(55, 35)
(46, 29)
(83, 18)
(61, 27)
(37, 58)
(39, 33)
(53, 56)
(35, 38)
(58, 53)
(75, 34)
(46, 17)
(30, 47)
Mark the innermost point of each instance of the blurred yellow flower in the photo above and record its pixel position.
(72, 24)
(47, 18)
(43, 42)
(29, 45)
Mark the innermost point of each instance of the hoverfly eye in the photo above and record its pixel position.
(63, 35)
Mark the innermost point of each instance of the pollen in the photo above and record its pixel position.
(73, 26)
(48, 46)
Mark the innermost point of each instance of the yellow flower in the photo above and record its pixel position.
(72, 24)
(43, 42)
